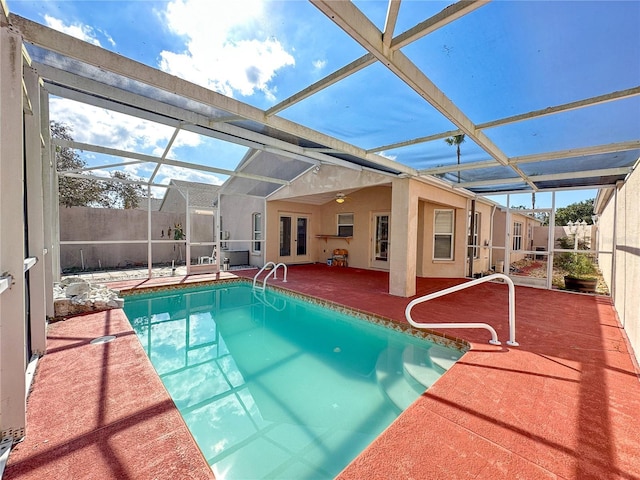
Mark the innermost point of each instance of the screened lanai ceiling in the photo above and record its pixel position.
(547, 95)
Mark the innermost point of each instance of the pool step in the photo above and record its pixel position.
(399, 388)
(444, 357)
(404, 374)
(419, 366)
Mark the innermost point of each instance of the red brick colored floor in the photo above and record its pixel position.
(564, 404)
(99, 411)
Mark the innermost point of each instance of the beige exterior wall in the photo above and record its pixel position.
(280, 207)
(367, 202)
(528, 228)
(541, 235)
(323, 220)
(236, 213)
(625, 282)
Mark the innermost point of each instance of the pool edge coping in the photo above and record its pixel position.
(439, 338)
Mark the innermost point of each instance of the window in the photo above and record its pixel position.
(345, 224)
(474, 235)
(443, 235)
(257, 232)
(517, 236)
(285, 236)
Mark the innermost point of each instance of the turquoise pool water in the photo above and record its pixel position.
(273, 386)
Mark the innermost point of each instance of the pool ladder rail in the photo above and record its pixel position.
(273, 272)
(494, 336)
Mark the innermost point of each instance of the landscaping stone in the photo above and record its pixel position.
(75, 296)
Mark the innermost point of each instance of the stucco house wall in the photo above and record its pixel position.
(364, 204)
(236, 217)
(622, 211)
(277, 208)
(528, 228)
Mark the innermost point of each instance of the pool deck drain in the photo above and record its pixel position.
(103, 339)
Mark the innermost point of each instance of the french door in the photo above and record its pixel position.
(380, 240)
(294, 238)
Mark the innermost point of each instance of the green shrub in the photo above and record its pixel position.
(580, 265)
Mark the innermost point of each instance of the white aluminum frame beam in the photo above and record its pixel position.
(155, 111)
(13, 339)
(350, 19)
(449, 14)
(587, 102)
(543, 178)
(93, 55)
(167, 149)
(150, 158)
(539, 157)
(390, 22)
(446, 16)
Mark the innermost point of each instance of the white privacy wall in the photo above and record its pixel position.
(625, 284)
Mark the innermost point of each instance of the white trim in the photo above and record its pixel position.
(338, 224)
(451, 234)
(255, 233)
(517, 236)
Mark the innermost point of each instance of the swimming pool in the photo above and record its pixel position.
(273, 386)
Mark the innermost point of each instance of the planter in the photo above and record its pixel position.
(586, 285)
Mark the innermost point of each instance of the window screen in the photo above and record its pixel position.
(443, 235)
(345, 224)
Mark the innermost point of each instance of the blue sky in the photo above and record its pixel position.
(507, 58)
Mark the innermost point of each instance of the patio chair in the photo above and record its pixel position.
(340, 258)
(208, 260)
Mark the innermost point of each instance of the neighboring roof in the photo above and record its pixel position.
(200, 195)
(156, 203)
(536, 142)
(258, 162)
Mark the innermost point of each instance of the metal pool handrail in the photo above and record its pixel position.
(494, 336)
(272, 272)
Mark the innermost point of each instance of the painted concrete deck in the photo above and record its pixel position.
(562, 405)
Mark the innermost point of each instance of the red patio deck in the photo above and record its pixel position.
(562, 405)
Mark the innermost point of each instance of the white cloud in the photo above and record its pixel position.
(98, 126)
(319, 64)
(388, 156)
(226, 48)
(77, 30)
(111, 129)
(168, 172)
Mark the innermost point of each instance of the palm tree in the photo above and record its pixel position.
(456, 140)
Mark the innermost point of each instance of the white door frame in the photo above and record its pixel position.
(375, 260)
(293, 238)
